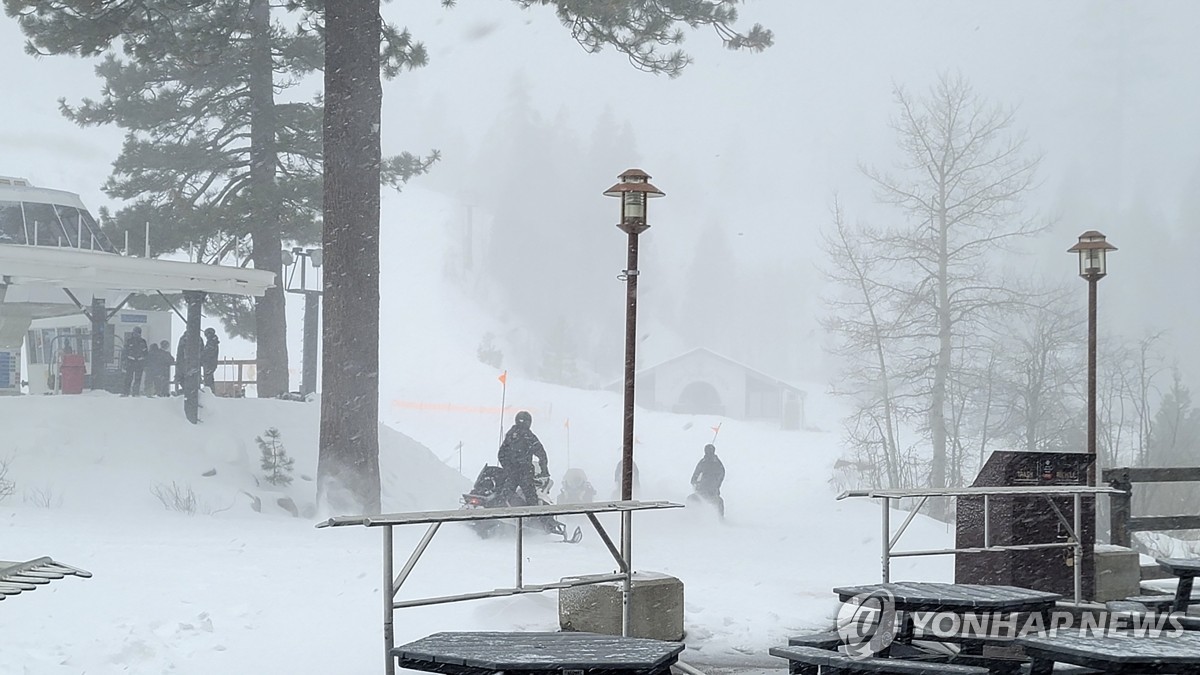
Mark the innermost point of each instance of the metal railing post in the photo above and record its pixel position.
(1079, 548)
(520, 551)
(389, 596)
(627, 586)
(1120, 507)
(887, 539)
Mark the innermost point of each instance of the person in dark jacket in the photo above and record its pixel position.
(183, 364)
(154, 361)
(619, 479)
(158, 369)
(517, 452)
(168, 361)
(134, 361)
(209, 355)
(707, 478)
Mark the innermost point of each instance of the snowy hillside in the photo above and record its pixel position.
(233, 590)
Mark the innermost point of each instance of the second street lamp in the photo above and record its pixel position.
(1093, 266)
(635, 191)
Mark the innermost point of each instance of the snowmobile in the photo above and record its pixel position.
(709, 499)
(576, 489)
(492, 490)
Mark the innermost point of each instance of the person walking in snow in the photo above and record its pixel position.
(517, 451)
(619, 479)
(708, 477)
(135, 361)
(209, 356)
(183, 362)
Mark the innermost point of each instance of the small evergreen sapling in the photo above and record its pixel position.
(275, 460)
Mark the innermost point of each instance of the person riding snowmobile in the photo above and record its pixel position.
(516, 455)
(707, 479)
(576, 489)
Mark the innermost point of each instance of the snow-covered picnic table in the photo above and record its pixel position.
(1186, 569)
(486, 653)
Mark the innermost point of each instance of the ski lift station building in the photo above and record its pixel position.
(57, 267)
(703, 382)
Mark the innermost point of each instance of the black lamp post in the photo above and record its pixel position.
(301, 257)
(635, 190)
(1092, 249)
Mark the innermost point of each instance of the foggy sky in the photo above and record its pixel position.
(1107, 91)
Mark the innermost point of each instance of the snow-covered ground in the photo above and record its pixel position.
(231, 589)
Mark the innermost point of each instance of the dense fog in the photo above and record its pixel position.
(754, 151)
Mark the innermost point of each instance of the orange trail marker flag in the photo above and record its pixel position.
(716, 430)
(503, 391)
(567, 426)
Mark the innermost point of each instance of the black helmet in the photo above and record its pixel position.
(137, 330)
(210, 332)
(710, 449)
(524, 418)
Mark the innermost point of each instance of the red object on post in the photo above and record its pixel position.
(71, 373)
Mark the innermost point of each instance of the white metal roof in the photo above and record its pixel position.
(20, 190)
(67, 268)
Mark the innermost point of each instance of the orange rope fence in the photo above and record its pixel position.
(459, 408)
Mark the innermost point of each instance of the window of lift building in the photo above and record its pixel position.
(12, 224)
(51, 225)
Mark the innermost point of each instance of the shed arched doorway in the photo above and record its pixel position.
(700, 398)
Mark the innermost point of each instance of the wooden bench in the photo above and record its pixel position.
(492, 653)
(827, 640)
(813, 660)
(1062, 669)
(1154, 603)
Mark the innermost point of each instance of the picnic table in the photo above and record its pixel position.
(925, 596)
(906, 598)
(1115, 652)
(489, 653)
(1186, 569)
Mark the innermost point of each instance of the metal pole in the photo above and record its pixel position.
(631, 276)
(99, 317)
(520, 551)
(312, 310)
(191, 373)
(887, 542)
(627, 583)
(389, 598)
(1091, 394)
(1079, 549)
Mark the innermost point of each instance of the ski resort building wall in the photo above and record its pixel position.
(702, 382)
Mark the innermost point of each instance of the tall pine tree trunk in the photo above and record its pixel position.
(348, 467)
(269, 316)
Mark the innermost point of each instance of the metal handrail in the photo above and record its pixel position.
(435, 519)
(1077, 492)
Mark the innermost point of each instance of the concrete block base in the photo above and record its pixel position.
(1118, 573)
(656, 607)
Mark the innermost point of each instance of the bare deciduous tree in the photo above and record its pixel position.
(859, 316)
(960, 188)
